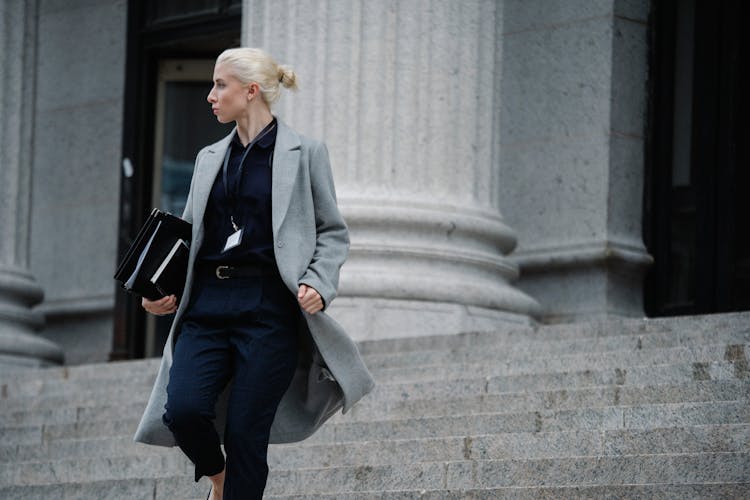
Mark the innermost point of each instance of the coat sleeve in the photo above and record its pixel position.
(332, 234)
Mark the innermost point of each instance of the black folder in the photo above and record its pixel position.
(156, 263)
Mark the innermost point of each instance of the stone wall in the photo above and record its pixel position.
(573, 106)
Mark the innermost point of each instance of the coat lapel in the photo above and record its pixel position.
(284, 172)
(285, 165)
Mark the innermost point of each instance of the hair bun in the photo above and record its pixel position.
(287, 77)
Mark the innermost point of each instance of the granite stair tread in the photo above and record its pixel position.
(482, 392)
(484, 473)
(478, 394)
(596, 492)
(602, 417)
(573, 346)
(174, 487)
(636, 356)
(727, 322)
(524, 444)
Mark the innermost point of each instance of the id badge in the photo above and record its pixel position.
(234, 239)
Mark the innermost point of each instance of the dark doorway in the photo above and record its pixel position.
(697, 176)
(171, 49)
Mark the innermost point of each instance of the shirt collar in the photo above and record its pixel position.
(267, 140)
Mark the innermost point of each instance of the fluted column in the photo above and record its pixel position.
(405, 94)
(18, 289)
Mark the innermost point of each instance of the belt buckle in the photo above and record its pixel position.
(218, 272)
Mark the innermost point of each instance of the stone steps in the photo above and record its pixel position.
(653, 332)
(510, 377)
(619, 408)
(557, 399)
(603, 418)
(533, 349)
(460, 473)
(672, 468)
(430, 363)
(466, 387)
(144, 373)
(633, 469)
(114, 370)
(730, 324)
(555, 444)
(702, 355)
(577, 388)
(175, 487)
(660, 491)
(481, 395)
(596, 360)
(711, 323)
(672, 373)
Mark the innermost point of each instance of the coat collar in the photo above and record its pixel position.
(286, 139)
(283, 173)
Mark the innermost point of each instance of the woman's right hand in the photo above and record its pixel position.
(165, 305)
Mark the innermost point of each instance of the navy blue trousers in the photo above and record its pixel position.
(244, 328)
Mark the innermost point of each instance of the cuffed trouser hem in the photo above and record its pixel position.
(211, 462)
(208, 472)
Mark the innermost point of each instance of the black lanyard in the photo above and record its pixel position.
(236, 192)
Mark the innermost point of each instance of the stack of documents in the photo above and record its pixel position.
(155, 265)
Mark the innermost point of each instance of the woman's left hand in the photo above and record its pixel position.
(309, 299)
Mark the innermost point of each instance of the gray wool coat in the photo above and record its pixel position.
(311, 243)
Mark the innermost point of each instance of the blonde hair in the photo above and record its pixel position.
(255, 65)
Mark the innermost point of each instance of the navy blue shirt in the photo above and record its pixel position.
(252, 208)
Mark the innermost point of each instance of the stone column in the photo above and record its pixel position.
(18, 289)
(405, 94)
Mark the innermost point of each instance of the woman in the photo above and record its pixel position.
(251, 344)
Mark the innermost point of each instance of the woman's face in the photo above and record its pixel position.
(229, 97)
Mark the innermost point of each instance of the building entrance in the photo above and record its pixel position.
(171, 49)
(697, 179)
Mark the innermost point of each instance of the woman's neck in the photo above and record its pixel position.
(249, 125)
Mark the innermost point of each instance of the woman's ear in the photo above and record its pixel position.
(252, 90)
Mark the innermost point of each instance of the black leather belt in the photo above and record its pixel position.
(226, 272)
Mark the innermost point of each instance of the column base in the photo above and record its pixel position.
(417, 268)
(370, 318)
(19, 344)
(586, 281)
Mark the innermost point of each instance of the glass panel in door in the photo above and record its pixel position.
(184, 124)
